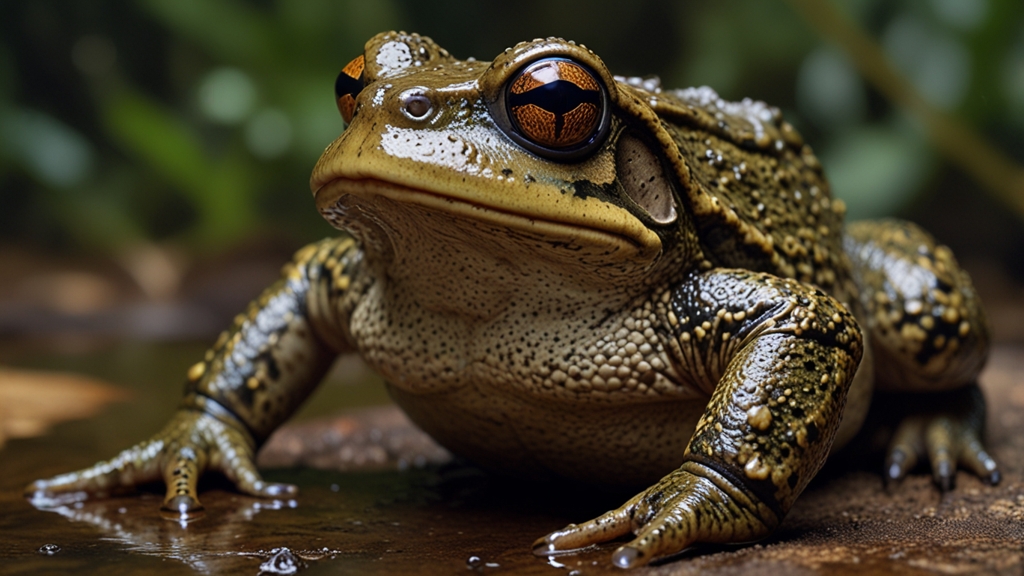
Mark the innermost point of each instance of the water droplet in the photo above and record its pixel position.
(283, 561)
(49, 549)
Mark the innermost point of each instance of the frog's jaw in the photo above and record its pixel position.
(567, 236)
(478, 268)
(616, 233)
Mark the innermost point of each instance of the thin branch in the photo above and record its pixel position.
(954, 139)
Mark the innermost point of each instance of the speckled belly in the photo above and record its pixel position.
(628, 441)
(610, 444)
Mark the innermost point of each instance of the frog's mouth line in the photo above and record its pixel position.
(567, 234)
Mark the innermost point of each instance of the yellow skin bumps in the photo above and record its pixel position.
(563, 273)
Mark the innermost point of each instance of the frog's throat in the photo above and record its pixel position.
(622, 246)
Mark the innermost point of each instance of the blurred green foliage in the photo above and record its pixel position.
(197, 123)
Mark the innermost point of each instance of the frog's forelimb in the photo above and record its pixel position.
(780, 357)
(253, 378)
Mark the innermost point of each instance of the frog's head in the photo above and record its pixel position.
(541, 150)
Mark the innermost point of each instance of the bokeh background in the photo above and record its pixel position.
(155, 154)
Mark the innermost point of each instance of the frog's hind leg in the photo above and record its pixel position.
(930, 340)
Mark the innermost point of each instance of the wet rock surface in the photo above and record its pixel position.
(378, 438)
(377, 498)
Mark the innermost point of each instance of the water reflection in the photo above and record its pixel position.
(203, 547)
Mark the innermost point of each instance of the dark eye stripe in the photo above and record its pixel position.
(347, 86)
(557, 97)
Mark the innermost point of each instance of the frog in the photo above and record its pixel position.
(564, 273)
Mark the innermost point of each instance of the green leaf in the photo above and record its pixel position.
(230, 31)
(218, 188)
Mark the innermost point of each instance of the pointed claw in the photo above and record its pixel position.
(235, 459)
(893, 473)
(543, 547)
(626, 557)
(182, 508)
(248, 480)
(945, 475)
(37, 489)
(42, 496)
(974, 457)
(899, 463)
(274, 489)
(904, 450)
(548, 544)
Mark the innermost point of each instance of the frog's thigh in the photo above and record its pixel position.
(927, 328)
(928, 334)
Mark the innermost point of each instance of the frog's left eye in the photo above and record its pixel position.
(557, 108)
(348, 85)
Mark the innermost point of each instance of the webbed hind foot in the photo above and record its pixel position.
(947, 429)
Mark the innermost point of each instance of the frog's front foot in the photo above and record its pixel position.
(947, 430)
(694, 504)
(191, 443)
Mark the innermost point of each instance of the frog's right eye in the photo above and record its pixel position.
(348, 85)
(557, 108)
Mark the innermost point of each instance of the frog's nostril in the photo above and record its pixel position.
(416, 105)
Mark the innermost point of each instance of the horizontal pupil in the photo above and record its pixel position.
(558, 97)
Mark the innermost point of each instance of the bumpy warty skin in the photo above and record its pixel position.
(565, 273)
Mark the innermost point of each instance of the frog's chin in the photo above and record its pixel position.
(331, 197)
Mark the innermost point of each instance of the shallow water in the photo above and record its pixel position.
(451, 518)
(431, 520)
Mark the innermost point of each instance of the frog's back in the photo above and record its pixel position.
(757, 192)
